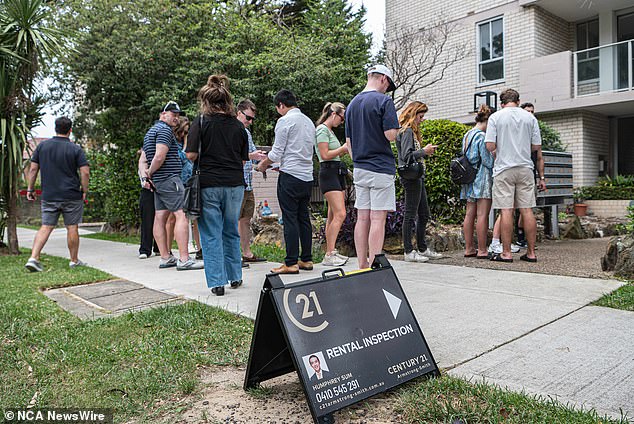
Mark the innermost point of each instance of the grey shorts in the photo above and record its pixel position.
(72, 210)
(374, 191)
(169, 194)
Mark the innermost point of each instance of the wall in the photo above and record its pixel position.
(608, 208)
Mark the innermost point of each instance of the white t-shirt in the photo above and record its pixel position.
(514, 131)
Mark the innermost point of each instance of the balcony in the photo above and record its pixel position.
(604, 69)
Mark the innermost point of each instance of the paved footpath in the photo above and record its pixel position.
(531, 332)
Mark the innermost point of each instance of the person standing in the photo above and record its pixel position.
(223, 145)
(160, 151)
(513, 134)
(246, 115)
(408, 146)
(64, 190)
(332, 177)
(146, 208)
(372, 124)
(478, 193)
(293, 148)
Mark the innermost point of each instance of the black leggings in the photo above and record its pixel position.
(416, 213)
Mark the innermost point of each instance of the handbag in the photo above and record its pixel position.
(412, 170)
(461, 170)
(193, 202)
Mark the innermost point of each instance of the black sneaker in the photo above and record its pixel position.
(236, 284)
(245, 265)
(523, 244)
(199, 254)
(218, 291)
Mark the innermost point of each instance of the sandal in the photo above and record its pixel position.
(471, 255)
(525, 257)
(498, 258)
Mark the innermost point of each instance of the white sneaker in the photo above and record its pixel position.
(34, 265)
(76, 264)
(415, 256)
(332, 259)
(430, 254)
(345, 258)
(497, 248)
(189, 264)
(143, 256)
(168, 263)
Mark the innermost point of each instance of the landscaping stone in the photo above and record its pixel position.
(269, 232)
(619, 256)
(573, 229)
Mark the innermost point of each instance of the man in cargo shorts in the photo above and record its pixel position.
(513, 134)
(63, 190)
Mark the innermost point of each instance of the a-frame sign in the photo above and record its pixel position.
(349, 337)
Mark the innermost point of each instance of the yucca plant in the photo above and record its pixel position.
(27, 39)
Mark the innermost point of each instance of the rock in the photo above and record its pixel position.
(619, 256)
(573, 229)
(270, 232)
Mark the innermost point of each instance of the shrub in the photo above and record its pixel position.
(114, 188)
(442, 194)
(608, 193)
(618, 181)
(551, 139)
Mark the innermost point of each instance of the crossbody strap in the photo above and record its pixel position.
(200, 145)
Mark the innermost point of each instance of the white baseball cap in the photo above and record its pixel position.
(382, 69)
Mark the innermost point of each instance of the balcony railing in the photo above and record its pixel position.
(604, 69)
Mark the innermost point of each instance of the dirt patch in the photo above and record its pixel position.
(278, 401)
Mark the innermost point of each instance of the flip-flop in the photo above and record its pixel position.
(482, 257)
(527, 259)
(471, 255)
(499, 258)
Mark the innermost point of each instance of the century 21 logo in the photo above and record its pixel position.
(310, 307)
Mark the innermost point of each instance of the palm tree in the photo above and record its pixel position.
(27, 39)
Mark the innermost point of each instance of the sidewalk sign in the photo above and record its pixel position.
(349, 337)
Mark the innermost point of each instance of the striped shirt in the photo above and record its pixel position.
(161, 133)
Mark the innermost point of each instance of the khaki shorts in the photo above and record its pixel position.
(374, 191)
(514, 188)
(248, 205)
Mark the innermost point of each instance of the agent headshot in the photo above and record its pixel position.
(316, 366)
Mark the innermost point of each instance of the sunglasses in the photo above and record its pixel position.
(343, 118)
(249, 118)
(171, 103)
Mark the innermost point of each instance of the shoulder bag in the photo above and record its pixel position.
(462, 172)
(192, 205)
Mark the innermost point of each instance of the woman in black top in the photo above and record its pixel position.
(223, 145)
(408, 145)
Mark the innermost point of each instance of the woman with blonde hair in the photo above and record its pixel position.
(332, 176)
(223, 145)
(411, 170)
(478, 194)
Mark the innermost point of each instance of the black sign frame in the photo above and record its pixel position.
(273, 352)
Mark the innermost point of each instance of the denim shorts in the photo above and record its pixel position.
(72, 210)
(169, 194)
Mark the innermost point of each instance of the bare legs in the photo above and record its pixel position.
(40, 240)
(369, 233)
(244, 228)
(72, 240)
(336, 216)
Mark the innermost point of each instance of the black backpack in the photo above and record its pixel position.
(462, 172)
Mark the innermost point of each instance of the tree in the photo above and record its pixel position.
(419, 58)
(127, 65)
(27, 40)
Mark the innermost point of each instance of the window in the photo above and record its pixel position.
(491, 51)
(588, 62)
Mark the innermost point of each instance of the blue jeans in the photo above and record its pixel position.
(219, 236)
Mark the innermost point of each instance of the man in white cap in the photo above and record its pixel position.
(371, 125)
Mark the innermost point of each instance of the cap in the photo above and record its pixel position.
(382, 69)
(172, 106)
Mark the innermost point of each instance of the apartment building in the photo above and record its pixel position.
(573, 59)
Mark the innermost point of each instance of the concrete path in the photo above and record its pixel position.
(511, 328)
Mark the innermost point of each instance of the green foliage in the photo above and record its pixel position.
(551, 139)
(607, 193)
(27, 39)
(618, 181)
(442, 194)
(114, 188)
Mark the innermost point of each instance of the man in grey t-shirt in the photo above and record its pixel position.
(513, 133)
(63, 190)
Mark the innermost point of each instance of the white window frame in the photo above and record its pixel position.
(479, 52)
(587, 59)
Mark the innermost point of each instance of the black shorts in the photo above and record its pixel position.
(332, 176)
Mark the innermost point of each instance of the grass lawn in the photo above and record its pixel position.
(130, 363)
(122, 238)
(621, 298)
(142, 364)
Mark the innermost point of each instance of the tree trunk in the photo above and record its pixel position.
(12, 221)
